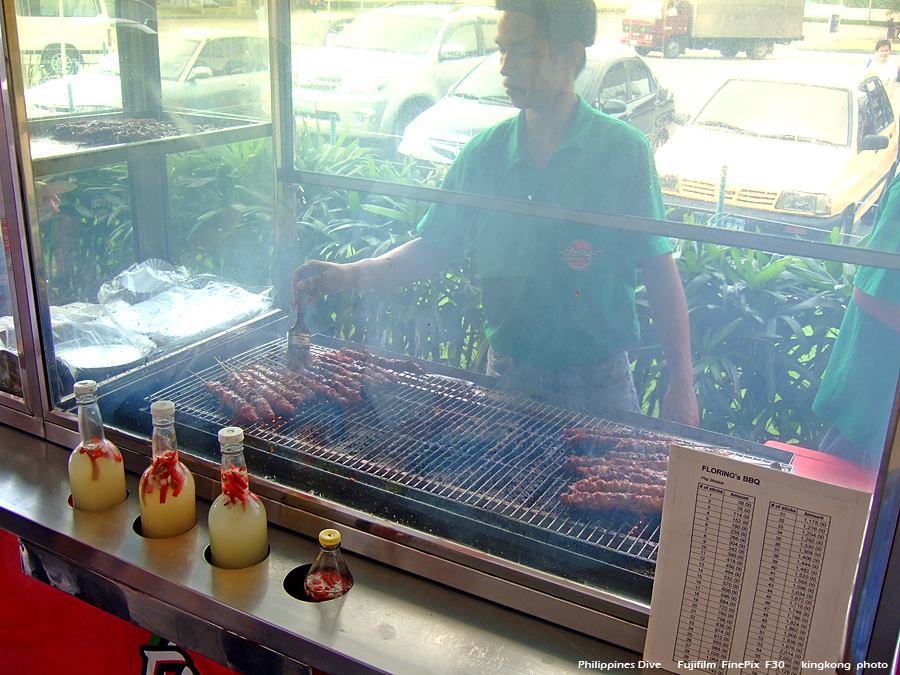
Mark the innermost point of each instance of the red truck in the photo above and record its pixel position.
(731, 26)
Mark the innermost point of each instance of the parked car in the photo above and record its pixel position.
(614, 80)
(804, 148)
(64, 43)
(310, 30)
(219, 72)
(389, 65)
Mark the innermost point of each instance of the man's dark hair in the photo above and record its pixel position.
(878, 45)
(562, 22)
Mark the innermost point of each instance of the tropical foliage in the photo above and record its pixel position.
(762, 325)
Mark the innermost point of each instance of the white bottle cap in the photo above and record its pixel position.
(85, 387)
(231, 435)
(162, 409)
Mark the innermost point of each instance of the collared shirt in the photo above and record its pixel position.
(858, 387)
(555, 294)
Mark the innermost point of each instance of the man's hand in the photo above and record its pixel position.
(679, 404)
(317, 278)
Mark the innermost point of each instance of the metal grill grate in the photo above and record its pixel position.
(464, 444)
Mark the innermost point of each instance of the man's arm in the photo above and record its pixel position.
(668, 308)
(403, 265)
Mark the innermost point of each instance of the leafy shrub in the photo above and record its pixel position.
(439, 318)
(762, 330)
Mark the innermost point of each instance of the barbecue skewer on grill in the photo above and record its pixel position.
(243, 411)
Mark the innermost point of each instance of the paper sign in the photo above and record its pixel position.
(755, 571)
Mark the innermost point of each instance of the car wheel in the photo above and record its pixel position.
(757, 50)
(659, 135)
(643, 51)
(52, 61)
(673, 48)
(408, 112)
(729, 49)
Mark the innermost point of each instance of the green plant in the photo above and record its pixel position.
(439, 318)
(762, 329)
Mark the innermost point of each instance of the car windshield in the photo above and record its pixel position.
(390, 33)
(484, 82)
(309, 31)
(644, 8)
(174, 55)
(783, 110)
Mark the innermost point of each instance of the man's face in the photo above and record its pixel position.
(884, 52)
(532, 77)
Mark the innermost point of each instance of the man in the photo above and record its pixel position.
(558, 297)
(861, 378)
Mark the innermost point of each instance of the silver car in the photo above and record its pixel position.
(615, 81)
(211, 71)
(389, 65)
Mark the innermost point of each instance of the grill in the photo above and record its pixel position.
(488, 461)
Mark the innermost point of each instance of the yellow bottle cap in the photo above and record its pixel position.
(329, 537)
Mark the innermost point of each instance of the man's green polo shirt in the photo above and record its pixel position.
(555, 294)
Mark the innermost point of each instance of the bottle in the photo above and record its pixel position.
(328, 578)
(238, 535)
(96, 470)
(168, 506)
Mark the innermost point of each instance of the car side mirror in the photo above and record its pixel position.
(200, 73)
(452, 51)
(612, 107)
(873, 142)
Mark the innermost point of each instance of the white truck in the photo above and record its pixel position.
(730, 26)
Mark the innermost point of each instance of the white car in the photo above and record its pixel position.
(389, 65)
(210, 71)
(803, 148)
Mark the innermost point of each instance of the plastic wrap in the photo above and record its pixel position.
(172, 308)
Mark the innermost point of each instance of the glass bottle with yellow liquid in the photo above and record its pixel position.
(96, 470)
(238, 531)
(168, 499)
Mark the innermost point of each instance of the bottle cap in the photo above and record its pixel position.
(85, 387)
(162, 409)
(231, 435)
(329, 537)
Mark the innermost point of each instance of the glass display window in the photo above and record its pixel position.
(507, 332)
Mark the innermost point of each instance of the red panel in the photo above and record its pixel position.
(828, 468)
(43, 630)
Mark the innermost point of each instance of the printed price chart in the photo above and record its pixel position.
(786, 587)
(715, 573)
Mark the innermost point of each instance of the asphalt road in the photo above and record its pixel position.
(696, 74)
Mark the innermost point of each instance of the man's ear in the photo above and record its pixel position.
(574, 54)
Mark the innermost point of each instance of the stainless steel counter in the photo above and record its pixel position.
(390, 622)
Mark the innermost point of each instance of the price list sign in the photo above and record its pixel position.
(789, 573)
(750, 578)
(715, 574)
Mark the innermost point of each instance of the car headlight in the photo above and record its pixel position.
(804, 202)
(668, 182)
(365, 86)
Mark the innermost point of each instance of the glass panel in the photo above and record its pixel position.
(10, 374)
(769, 180)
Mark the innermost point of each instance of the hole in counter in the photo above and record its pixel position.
(71, 502)
(139, 530)
(293, 583)
(207, 555)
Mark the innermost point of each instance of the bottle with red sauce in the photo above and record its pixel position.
(96, 470)
(168, 500)
(238, 530)
(328, 578)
